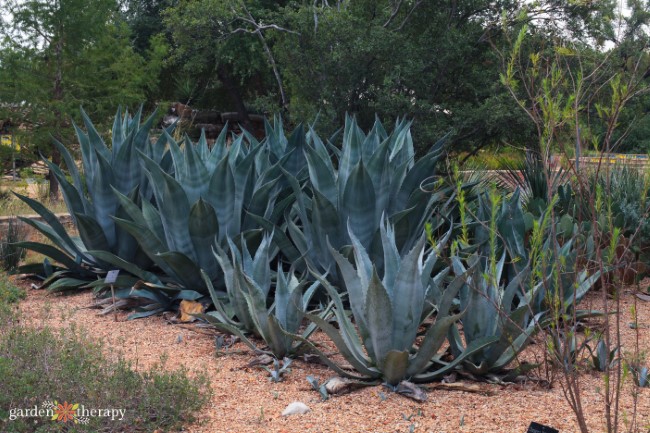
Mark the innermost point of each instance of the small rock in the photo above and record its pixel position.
(450, 378)
(296, 408)
(339, 385)
(260, 360)
(411, 390)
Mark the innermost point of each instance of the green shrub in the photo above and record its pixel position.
(494, 159)
(9, 293)
(39, 367)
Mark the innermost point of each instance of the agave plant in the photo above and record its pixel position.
(209, 197)
(499, 310)
(517, 278)
(92, 203)
(603, 359)
(562, 295)
(248, 282)
(376, 175)
(285, 150)
(387, 311)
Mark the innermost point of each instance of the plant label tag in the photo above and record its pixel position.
(111, 276)
(539, 428)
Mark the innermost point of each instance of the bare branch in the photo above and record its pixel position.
(408, 15)
(392, 16)
(259, 31)
(262, 28)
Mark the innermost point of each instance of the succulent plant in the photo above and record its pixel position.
(92, 203)
(518, 278)
(376, 175)
(602, 358)
(387, 311)
(640, 375)
(248, 282)
(495, 309)
(208, 199)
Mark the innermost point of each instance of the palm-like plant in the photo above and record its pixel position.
(538, 180)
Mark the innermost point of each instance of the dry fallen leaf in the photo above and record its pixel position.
(188, 308)
(260, 360)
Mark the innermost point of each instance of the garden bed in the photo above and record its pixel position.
(245, 400)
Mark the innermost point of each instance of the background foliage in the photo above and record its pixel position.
(439, 64)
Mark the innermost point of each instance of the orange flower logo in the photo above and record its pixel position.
(65, 412)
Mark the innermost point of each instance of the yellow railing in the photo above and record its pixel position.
(635, 160)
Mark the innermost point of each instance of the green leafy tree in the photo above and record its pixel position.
(225, 49)
(57, 55)
(431, 62)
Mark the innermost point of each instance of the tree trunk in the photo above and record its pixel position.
(233, 91)
(58, 116)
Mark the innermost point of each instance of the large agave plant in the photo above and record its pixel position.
(248, 282)
(92, 203)
(280, 148)
(388, 311)
(208, 198)
(376, 175)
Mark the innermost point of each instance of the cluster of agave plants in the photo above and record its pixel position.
(410, 275)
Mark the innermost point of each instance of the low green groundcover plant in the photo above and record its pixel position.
(45, 369)
(9, 293)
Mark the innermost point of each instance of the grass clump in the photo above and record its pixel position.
(43, 367)
(10, 255)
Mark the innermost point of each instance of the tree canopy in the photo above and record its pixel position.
(311, 61)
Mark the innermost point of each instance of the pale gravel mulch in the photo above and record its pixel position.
(245, 400)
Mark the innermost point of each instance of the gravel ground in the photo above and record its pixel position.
(245, 400)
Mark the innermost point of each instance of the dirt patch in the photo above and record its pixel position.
(245, 400)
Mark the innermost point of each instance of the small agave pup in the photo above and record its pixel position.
(387, 311)
(248, 283)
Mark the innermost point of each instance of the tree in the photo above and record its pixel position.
(224, 47)
(429, 61)
(59, 54)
